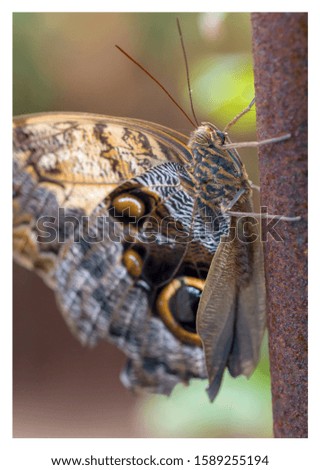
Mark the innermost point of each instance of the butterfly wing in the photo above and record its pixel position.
(101, 300)
(231, 312)
(67, 168)
(73, 161)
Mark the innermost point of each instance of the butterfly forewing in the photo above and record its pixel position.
(80, 159)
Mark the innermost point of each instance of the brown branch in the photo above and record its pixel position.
(280, 58)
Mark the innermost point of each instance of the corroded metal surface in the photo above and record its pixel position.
(280, 57)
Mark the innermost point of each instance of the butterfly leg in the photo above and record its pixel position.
(238, 116)
(254, 186)
(272, 140)
(236, 198)
(233, 201)
(263, 216)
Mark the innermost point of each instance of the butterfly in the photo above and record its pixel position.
(127, 221)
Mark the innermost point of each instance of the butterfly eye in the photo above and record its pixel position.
(221, 136)
(129, 205)
(133, 262)
(177, 305)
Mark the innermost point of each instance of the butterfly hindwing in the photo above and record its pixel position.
(101, 299)
(76, 169)
(231, 313)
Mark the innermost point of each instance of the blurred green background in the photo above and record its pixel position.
(68, 62)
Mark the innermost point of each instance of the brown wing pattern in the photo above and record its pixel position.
(73, 161)
(68, 170)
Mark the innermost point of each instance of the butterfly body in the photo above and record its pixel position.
(123, 219)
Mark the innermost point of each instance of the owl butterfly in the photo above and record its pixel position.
(127, 221)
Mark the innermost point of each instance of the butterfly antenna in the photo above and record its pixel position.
(187, 71)
(157, 82)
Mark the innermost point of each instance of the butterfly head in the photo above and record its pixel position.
(207, 134)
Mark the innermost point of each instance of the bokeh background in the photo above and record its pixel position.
(68, 62)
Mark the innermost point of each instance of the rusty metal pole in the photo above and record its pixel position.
(280, 66)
